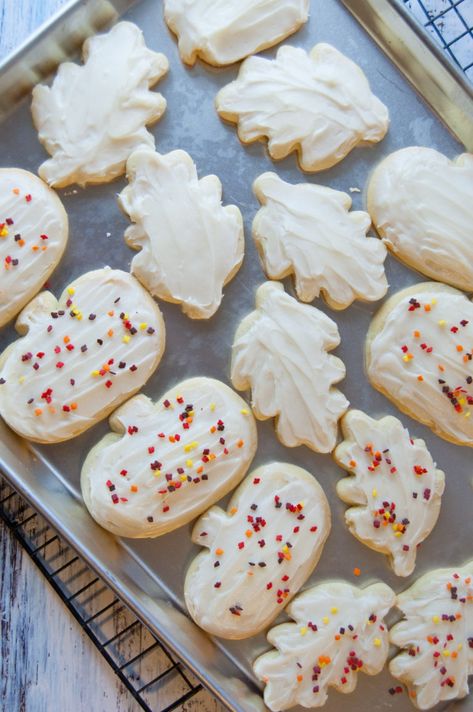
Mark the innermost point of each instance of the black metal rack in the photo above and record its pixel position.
(142, 664)
(451, 26)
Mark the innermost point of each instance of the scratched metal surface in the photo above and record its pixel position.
(196, 348)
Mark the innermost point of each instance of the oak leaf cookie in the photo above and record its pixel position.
(33, 235)
(79, 356)
(437, 636)
(421, 205)
(191, 245)
(395, 487)
(419, 353)
(225, 31)
(338, 631)
(308, 230)
(318, 103)
(93, 116)
(259, 552)
(280, 352)
(166, 462)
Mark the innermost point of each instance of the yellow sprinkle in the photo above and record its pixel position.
(3, 232)
(191, 446)
(442, 322)
(467, 414)
(436, 619)
(21, 379)
(189, 463)
(374, 492)
(71, 291)
(143, 325)
(244, 411)
(325, 620)
(446, 653)
(377, 642)
(212, 407)
(398, 534)
(126, 339)
(407, 357)
(433, 302)
(303, 630)
(157, 473)
(95, 373)
(183, 478)
(334, 610)
(285, 548)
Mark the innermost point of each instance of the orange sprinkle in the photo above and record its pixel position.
(233, 510)
(134, 488)
(454, 654)
(300, 678)
(441, 368)
(249, 533)
(427, 307)
(219, 552)
(240, 443)
(66, 339)
(352, 463)
(73, 406)
(213, 429)
(52, 409)
(16, 191)
(172, 439)
(35, 248)
(416, 334)
(110, 332)
(337, 637)
(38, 411)
(459, 347)
(356, 571)
(458, 616)
(420, 378)
(200, 470)
(111, 313)
(468, 580)
(413, 693)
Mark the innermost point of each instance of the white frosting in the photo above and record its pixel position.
(421, 204)
(224, 31)
(33, 236)
(190, 244)
(93, 116)
(80, 356)
(188, 450)
(260, 552)
(339, 630)
(280, 352)
(422, 358)
(396, 488)
(438, 634)
(308, 230)
(319, 103)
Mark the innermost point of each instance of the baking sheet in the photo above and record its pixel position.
(145, 570)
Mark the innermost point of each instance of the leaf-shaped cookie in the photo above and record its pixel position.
(166, 462)
(437, 633)
(338, 632)
(224, 31)
(93, 116)
(33, 236)
(419, 353)
(308, 230)
(395, 487)
(280, 352)
(259, 552)
(190, 244)
(79, 356)
(421, 205)
(318, 103)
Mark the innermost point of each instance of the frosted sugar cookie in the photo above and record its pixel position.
(280, 352)
(259, 552)
(318, 103)
(395, 487)
(224, 31)
(79, 356)
(33, 236)
(93, 116)
(436, 635)
(166, 462)
(308, 230)
(422, 206)
(419, 353)
(191, 245)
(338, 632)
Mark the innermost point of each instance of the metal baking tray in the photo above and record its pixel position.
(148, 575)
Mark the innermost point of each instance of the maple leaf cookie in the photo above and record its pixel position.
(419, 353)
(166, 462)
(33, 235)
(318, 103)
(225, 31)
(93, 116)
(421, 205)
(280, 352)
(258, 553)
(437, 636)
(338, 632)
(308, 230)
(395, 487)
(79, 356)
(191, 245)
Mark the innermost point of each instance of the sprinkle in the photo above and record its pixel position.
(325, 620)
(356, 571)
(377, 642)
(219, 552)
(244, 411)
(303, 630)
(334, 610)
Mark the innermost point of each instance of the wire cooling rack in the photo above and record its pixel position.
(155, 679)
(451, 24)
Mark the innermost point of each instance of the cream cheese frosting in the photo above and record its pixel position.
(79, 356)
(422, 206)
(419, 353)
(93, 116)
(318, 102)
(280, 352)
(308, 230)
(225, 31)
(33, 235)
(166, 462)
(190, 244)
(259, 552)
(338, 631)
(395, 487)
(437, 636)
